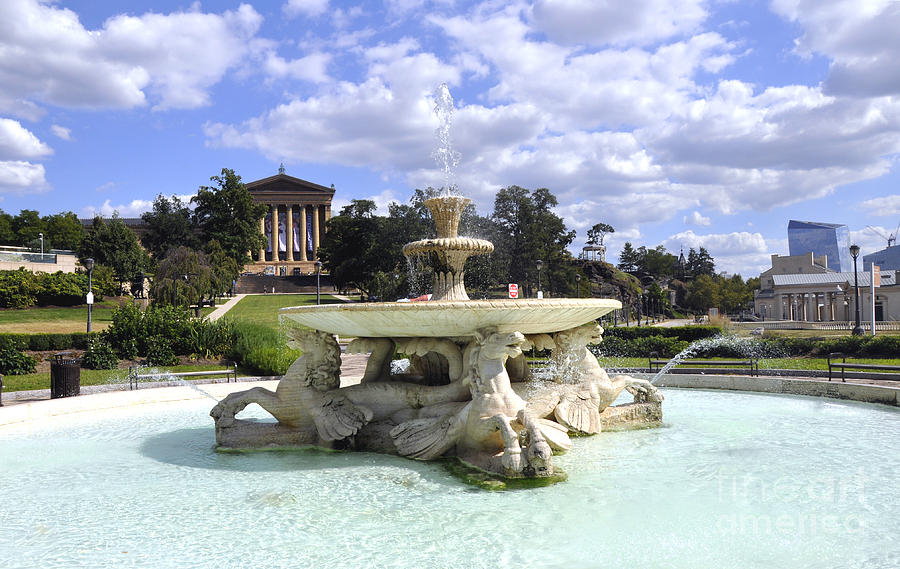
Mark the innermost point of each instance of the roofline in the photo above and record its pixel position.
(285, 177)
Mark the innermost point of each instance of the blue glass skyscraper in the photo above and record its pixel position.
(831, 239)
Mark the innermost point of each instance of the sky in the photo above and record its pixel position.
(684, 123)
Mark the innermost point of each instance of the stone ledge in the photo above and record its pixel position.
(786, 386)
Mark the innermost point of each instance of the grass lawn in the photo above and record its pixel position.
(93, 377)
(263, 308)
(55, 319)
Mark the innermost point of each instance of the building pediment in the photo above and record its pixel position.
(282, 188)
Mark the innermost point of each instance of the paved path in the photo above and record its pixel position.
(223, 308)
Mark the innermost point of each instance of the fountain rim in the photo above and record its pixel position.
(450, 318)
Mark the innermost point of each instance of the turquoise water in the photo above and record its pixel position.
(733, 480)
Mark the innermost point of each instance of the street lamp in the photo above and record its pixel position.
(89, 265)
(318, 280)
(539, 264)
(578, 284)
(41, 235)
(854, 252)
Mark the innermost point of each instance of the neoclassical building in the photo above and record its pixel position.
(293, 226)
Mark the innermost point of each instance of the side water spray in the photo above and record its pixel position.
(743, 347)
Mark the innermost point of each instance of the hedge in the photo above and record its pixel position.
(46, 342)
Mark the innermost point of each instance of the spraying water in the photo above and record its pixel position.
(742, 346)
(444, 155)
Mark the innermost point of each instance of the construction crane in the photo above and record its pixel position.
(891, 239)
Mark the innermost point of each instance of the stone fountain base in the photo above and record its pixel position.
(485, 409)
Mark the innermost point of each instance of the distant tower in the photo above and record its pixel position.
(281, 168)
(682, 265)
(831, 239)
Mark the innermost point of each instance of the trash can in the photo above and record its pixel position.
(65, 375)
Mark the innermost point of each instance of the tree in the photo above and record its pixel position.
(27, 227)
(700, 263)
(628, 258)
(224, 268)
(596, 233)
(7, 235)
(227, 213)
(64, 230)
(114, 244)
(183, 278)
(168, 226)
(526, 230)
(656, 262)
(350, 248)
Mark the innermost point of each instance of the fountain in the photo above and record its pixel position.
(464, 395)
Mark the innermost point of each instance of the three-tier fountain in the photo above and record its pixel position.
(469, 393)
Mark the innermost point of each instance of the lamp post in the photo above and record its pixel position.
(578, 285)
(539, 264)
(41, 235)
(854, 252)
(318, 280)
(89, 265)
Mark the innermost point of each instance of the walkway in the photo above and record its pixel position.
(223, 308)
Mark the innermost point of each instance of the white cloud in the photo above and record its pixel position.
(132, 209)
(696, 219)
(887, 205)
(308, 8)
(600, 23)
(48, 57)
(61, 132)
(313, 67)
(19, 177)
(18, 142)
(739, 252)
(860, 39)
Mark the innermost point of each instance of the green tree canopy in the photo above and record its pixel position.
(64, 230)
(114, 244)
(227, 214)
(183, 278)
(169, 225)
(700, 263)
(596, 233)
(7, 235)
(27, 227)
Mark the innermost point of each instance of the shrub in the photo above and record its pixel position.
(159, 352)
(80, 340)
(14, 341)
(14, 362)
(131, 330)
(18, 289)
(99, 355)
(270, 360)
(40, 342)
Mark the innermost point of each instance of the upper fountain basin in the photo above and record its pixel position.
(443, 319)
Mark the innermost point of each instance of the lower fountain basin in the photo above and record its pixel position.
(442, 319)
(734, 480)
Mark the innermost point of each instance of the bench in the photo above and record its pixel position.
(750, 366)
(843, 365)
(134, 378)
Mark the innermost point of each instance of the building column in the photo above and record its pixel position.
(303, 233)
(813, 312)
(779, 307)
(289, 233)
(315, 229)
(262, 250)
(828, 299)
(275, 233)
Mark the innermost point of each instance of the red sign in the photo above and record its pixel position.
(513, 290)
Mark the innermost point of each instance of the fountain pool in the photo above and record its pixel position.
(732, 480)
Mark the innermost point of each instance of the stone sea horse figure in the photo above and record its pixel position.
(307, 397)
(309, 402)
(583, 389)
(488, 432)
